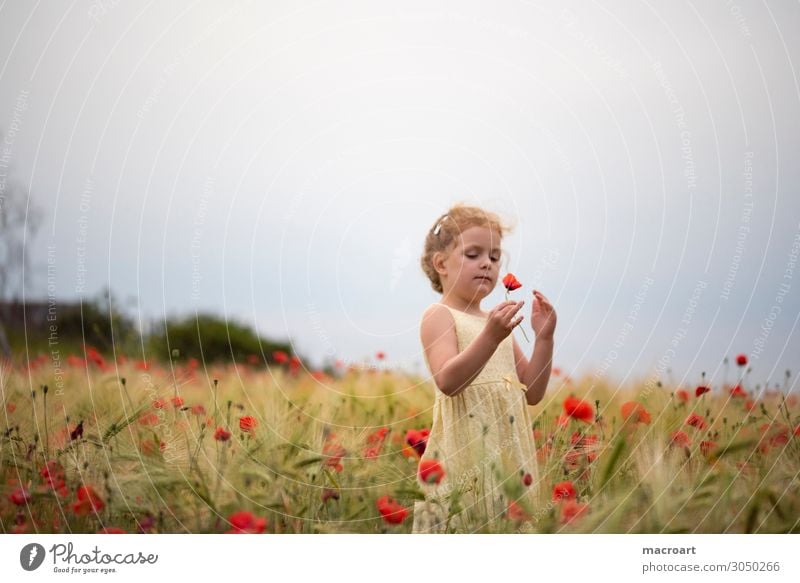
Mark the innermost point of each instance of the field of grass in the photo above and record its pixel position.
(126, 447)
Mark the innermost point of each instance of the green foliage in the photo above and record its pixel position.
(209, 338)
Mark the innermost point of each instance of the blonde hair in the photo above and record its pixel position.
(445, 231)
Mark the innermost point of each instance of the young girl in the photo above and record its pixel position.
(481, 433)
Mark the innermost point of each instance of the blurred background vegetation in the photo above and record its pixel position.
(38, 327)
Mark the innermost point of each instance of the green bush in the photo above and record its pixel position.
(209, 338)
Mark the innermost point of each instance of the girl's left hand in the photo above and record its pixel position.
(543, 317)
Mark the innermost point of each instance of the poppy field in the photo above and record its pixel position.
(128, 446)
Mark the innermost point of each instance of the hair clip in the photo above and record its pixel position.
(439, 226)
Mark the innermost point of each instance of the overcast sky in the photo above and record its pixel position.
(281, 165)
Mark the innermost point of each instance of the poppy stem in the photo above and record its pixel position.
(520, 324)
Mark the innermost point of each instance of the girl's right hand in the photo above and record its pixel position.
(502, 320)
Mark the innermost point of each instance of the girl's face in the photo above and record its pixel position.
(471, 269)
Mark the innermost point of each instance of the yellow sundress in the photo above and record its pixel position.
(483, 438)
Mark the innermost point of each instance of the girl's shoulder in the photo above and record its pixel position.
(439, 316)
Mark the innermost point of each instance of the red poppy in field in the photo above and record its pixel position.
(581, 441)
(252, 359)
(430, 471)
(741, 359)
(680, 439)
(697, 421)
(516, 512)
(634, 412)
(20, 496)
(375, 441)
(701, 390)
(577, 409)
(159, 403)
(563, 490)
(198, 409)
(777, 434)
(148, 419)
(749, 404)
(76, 433)
(335, 453)
(380, 355)
(738, 391)
(527, 479)
(391, 511)
(111, 530)
(248, 423)
(682, 395)
(417, 439)
(53, 475)
(329, 493)
(88, 501)
(177, 401)
(706, 447)
(244, 522)
(221, 435)
(280, 357)
(511, 282)
(11, 407)
(797, 431)
(572, 510)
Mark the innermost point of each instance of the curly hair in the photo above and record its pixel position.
(445, 231)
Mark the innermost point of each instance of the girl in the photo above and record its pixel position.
(481, 433)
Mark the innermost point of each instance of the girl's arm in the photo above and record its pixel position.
(452, 371)
(536, 373)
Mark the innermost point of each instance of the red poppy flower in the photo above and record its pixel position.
(700, 390)
(380, 355)
(198, 409)
(244, 522)
(329, 493)
(88, 501)
(516, 512)
(563, 490)
(527, 479)
(221, 435)
(577, 409)
(159, 403)
(738, 391)
(111, 530)
(511, 282)
(741, 359)
(149, 419)
(76, 433)
(680, 439)
(248, 423)
(280, 357)
(53, 474)
(391, 511)
(682, 395)
(706, 447)
(335, 453)
(11, 407)
(417, 439)
(697, 421)
(572, 510)
(20, 496)
(177, 401)
(634, 412)
(430, 471)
